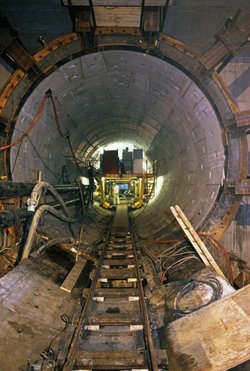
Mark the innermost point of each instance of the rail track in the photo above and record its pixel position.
(114, 331)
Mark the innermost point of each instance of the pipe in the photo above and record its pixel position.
(12, 217)
(9, 189)
(55, 241)
(36, 218)
(37, 192)
(9, 218)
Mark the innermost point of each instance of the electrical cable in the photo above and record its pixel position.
(48, 352)
(42, 209)
(223, 250)
(42, 160)
(16, 158)
(73, 155)
(190, 285)
(31, 126)
(165, 241)
(37, 192)
(5, 248)
(9, 260)
(53, 242)
(49, 93)
(58, 125)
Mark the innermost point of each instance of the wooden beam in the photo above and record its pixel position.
(114, 319)
(117, 16)
(114, 359)
(229, 42)
(195, 240)
(242, 119)
(71, 279)
(214, 338)
(114, 2)
(242, 187)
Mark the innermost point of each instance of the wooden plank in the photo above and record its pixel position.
(115, 2)
(120, 246)
(122, 254)
(152, 19)
(70, 281)
(114, 319)
(116, 293)
(242, 118)
(242, 187)
(120, 240)
(108, 341)
(216, 337)
(117, 16)
(120, 273)
(17, 52)
(68, 247)
(111, 359)
(214, 56)
(195, 240)
(120, 262)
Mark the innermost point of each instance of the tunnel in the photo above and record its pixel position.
(123, 95)
(158, 95)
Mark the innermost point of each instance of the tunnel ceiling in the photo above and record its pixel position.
(117, 95)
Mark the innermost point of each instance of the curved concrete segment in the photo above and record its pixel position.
(117, 95)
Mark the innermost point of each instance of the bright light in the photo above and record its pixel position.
(85, 180)
(158, 185)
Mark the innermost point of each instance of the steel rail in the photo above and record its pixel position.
(150, 351)
(68, 365)
(149, 342)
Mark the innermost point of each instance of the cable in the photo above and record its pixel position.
(65, 318)
(5, 248)
(17, 155)
(223, 250)
(192, 285)
(31, 126)
(48, 353)
(37, 192)
(35, 220)
(49, 94)
(166, 241)
(58, 125)
(73, 155)
(42, 160)
(53, 242)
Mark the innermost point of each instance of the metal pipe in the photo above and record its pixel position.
(9, 218)
(12, 217)
(35, 220)
(9, 189)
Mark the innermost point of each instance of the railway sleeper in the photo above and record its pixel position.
(117, 360)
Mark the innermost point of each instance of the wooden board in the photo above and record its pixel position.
(216, 337)
(195, 240)
(119, 273)
(100, 359)
(115, 2)
(114, 293)
(114, 319)
(73, 275)
(117, 16)
(120, 262)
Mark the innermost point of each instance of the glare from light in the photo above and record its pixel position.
(85, 180)
(158, 186)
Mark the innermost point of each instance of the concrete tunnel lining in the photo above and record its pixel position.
(126, 95)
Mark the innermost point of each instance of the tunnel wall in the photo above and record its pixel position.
(211, 93)
(124, 95)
